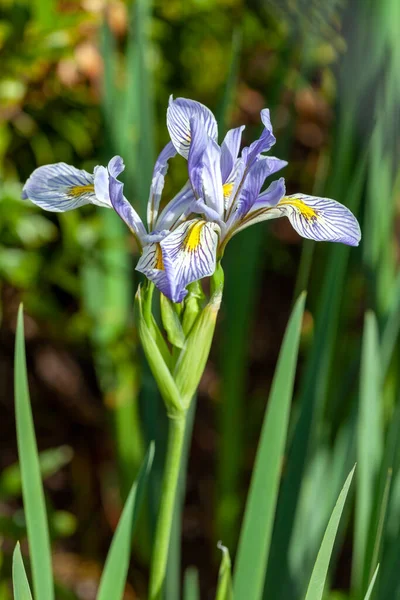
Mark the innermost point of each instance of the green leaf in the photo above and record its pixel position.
(224, 589)
(371, 585)
(32, 489)
(191, 588)
(171, 322)
(317, 582)
(113, 579)
(369, 450)
(255, 535)
(20, 581)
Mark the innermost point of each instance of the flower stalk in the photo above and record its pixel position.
(176, 435)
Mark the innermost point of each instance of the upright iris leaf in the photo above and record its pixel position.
(20, 581)
(113, 579)
(256, 530)
(369, 451)
(32, 489)
(318, 577)
(224, 589)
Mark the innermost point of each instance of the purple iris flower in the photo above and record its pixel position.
(223, 195)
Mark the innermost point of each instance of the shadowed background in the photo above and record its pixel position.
(81, 81)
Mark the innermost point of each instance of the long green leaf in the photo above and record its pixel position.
(32, 489)
(256, 530)
(224, 589)
(191, 588)
(370, 444)
(320, 571)
(371, 585)
(113, 579)
(20, 581)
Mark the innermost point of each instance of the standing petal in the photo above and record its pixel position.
(263, 144)
(199, 143)
(229, 151)
(213, 193)
(179, 113)
(157, 183)
(60, 187)
(189, 253)
(125, 210)
(177, 207)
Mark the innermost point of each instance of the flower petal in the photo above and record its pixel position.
(124, 209)
(177, 207)
(189, 253)
(157, 183)
(320, 219)
(315, 218)
(198, 146)
(211, 178)
(60, 187)
(263, 144)
(179, 113)
(229, 151)
(151, 264)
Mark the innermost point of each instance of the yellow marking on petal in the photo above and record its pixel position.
(306, 211)
(78, 190)
(227, 189)
(159, 258)
(192, 239)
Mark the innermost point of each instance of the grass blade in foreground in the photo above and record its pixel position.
(224, 589)
(32, 489)
(369, 452)
(20, 581)
(191, 587)
(371, 585)
(255, 536)
(112, 584)
(320, 571)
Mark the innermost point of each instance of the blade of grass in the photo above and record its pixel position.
(32, 489)
(371, 585)
(255, 535)
(113, 579)
(191, 588)
(370, 445)
(224, 589)
(318, 577)
(20, 581)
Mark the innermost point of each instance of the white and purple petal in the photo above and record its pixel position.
(189, 254)
(200, 140)
(176, 208)
(152, 266)
(213, 193)
(157, 183)
(179, 114)
(125, 210)
(264, 142)
(320, 219)
(60, 187)
(229, 151)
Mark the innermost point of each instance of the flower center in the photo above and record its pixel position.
(192, 239)
(78, 190)
(159, 258)
(227, 189)
(306, 211)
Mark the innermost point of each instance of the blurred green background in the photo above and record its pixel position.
(81, 81)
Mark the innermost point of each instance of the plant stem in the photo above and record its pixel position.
(176, 436)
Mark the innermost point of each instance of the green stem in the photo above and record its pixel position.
(176, 436)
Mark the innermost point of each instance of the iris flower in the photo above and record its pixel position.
(223, 196)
